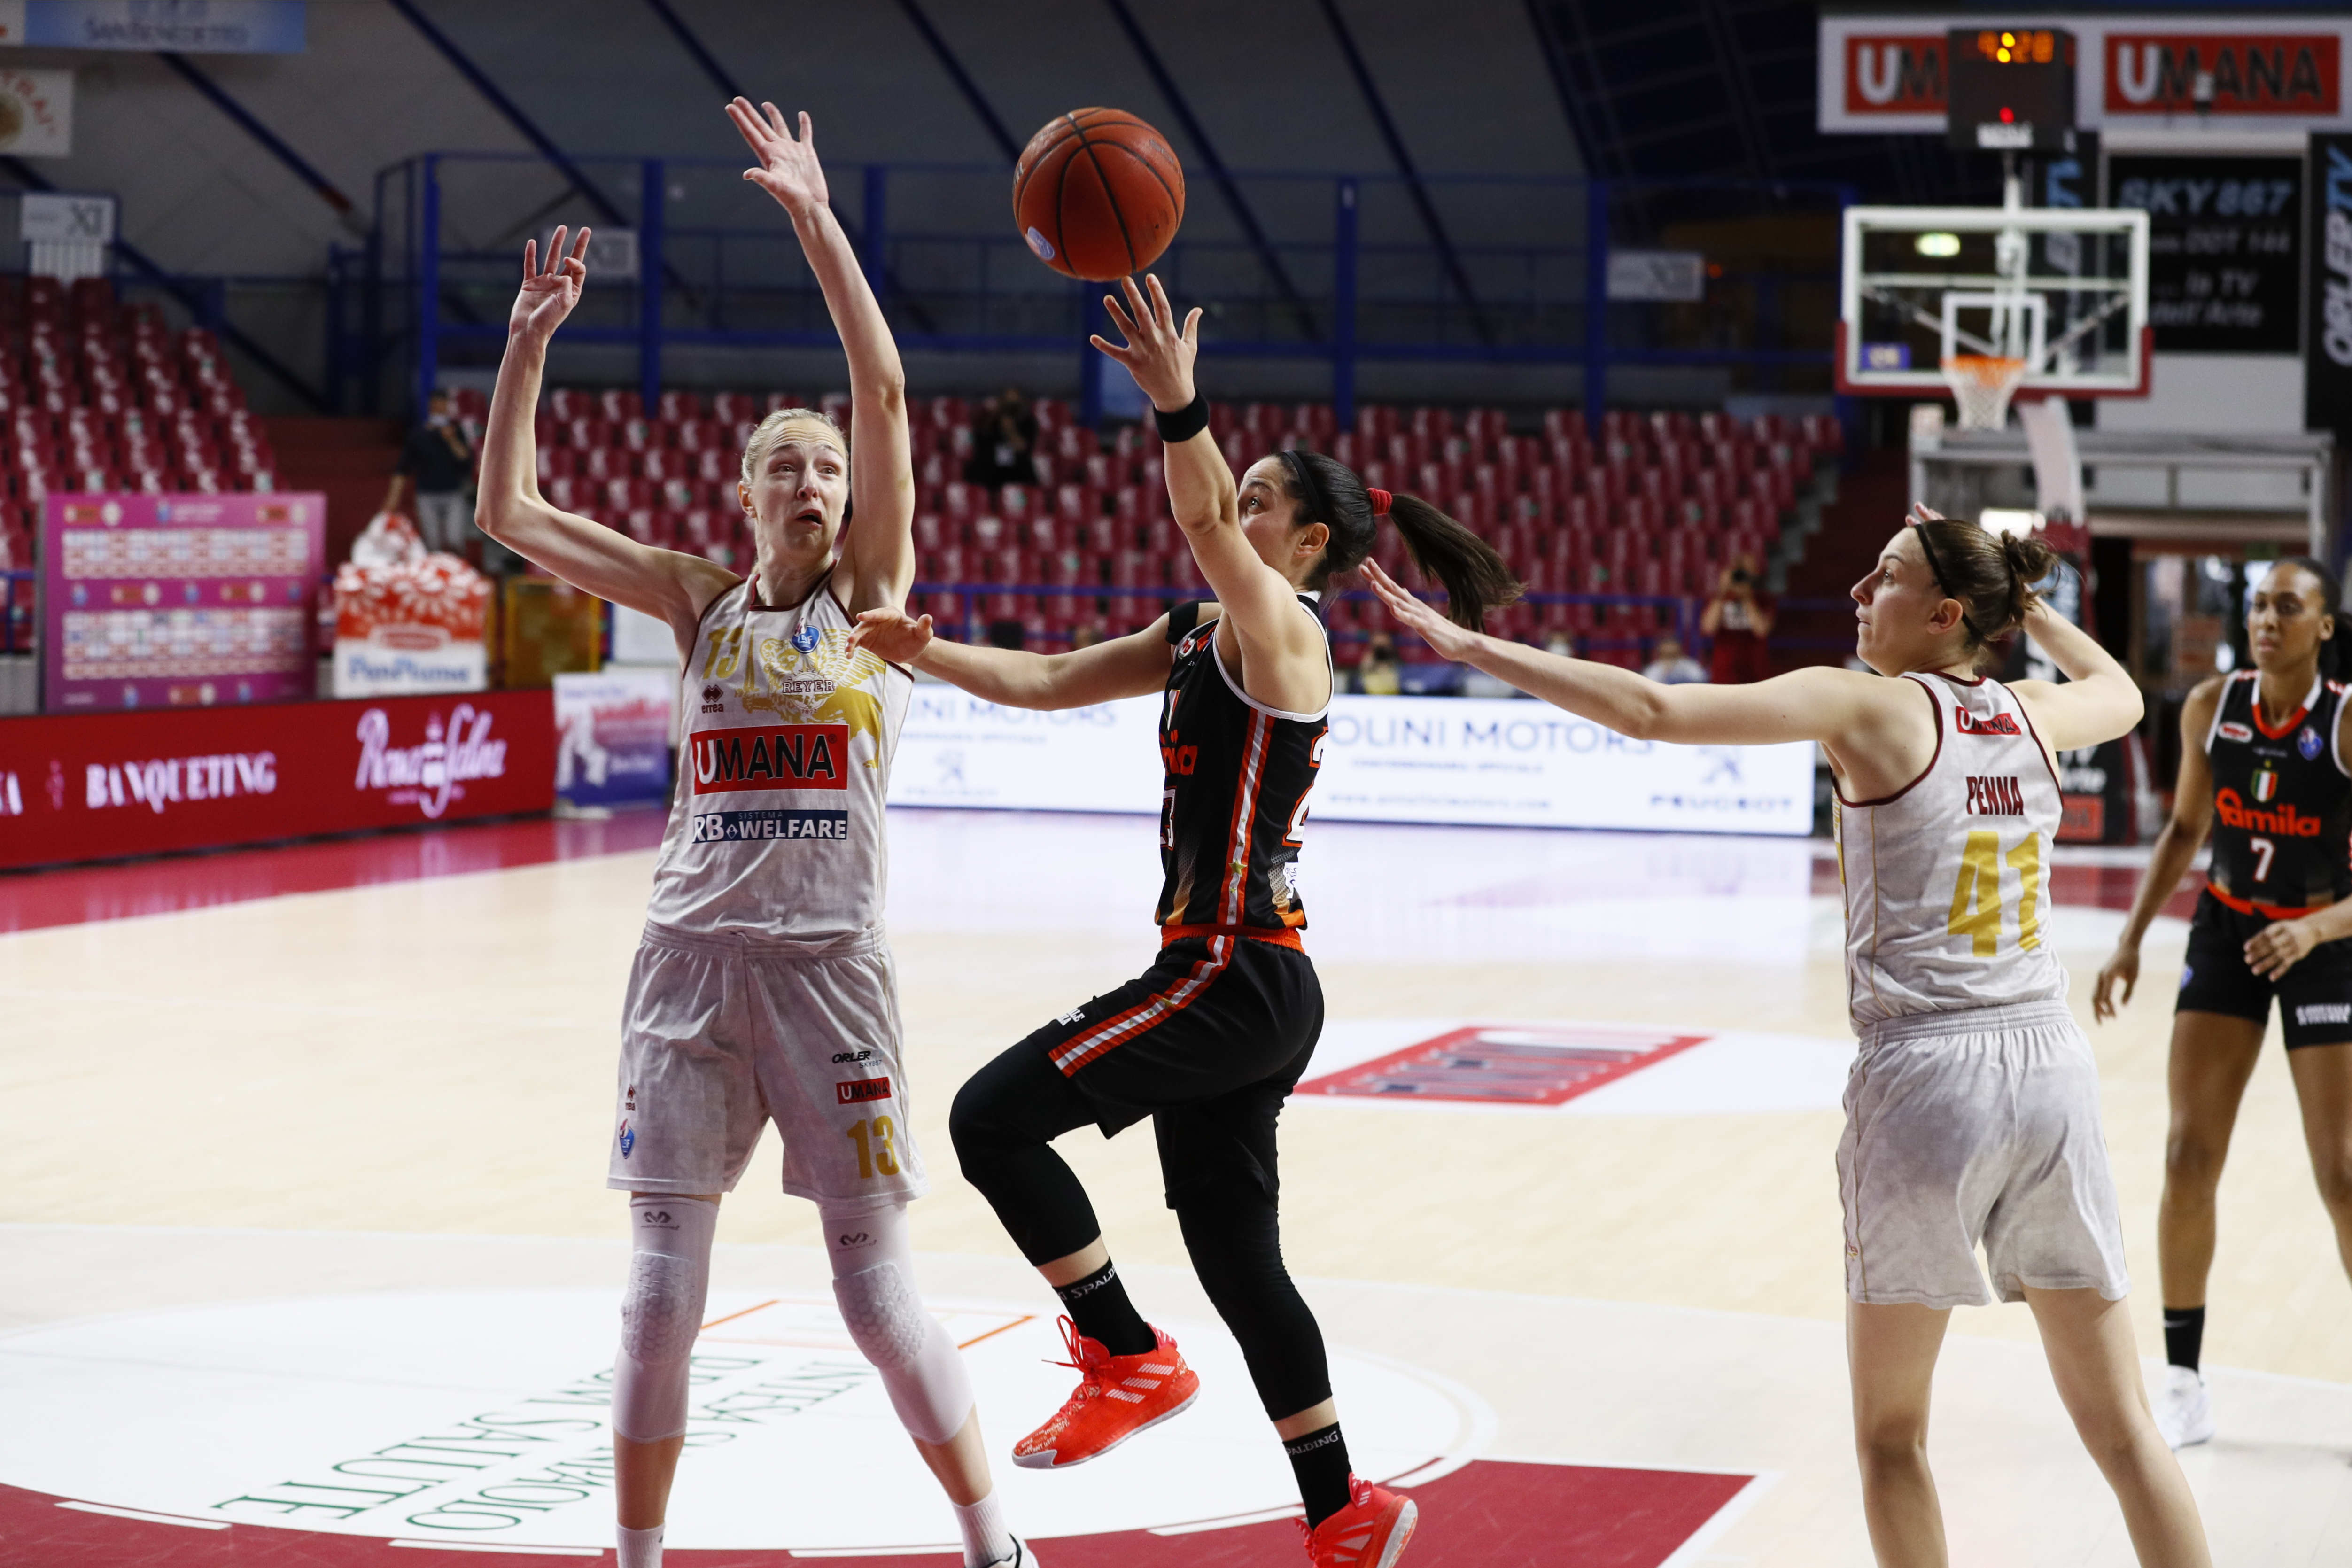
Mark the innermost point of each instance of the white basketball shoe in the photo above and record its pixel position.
(1022, 1556)
(2184, 1408)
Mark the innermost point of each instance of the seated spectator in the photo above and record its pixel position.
(1003, 442)
(1739, 617)
(1379, 675)
(1086, 635)
(1670, 666)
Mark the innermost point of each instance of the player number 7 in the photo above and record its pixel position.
(2263, 850)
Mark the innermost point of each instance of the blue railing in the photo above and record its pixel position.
(1348, 277)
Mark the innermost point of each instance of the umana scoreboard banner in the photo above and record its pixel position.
(1388, 759)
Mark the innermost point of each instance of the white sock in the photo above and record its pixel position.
(985, 1539)
(641, 1547)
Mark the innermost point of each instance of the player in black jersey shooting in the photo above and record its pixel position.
(2262, 766)
(1210, 1039)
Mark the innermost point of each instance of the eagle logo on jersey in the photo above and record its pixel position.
(2308, 742)
(816, 678)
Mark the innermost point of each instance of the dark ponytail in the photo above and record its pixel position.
(1330, 492)
(2331, 656)
(1991, 574)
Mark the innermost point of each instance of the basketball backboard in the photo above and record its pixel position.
(2063, 288)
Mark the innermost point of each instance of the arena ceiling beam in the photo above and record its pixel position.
(31, 179)
(1415, 187)
(276, 145)
(1206, 152)
(952, 63)
(885, 281)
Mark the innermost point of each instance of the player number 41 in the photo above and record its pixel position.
(878, 1148)
(1976, 898)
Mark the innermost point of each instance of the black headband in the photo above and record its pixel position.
(1318, 505)
(1937, 572)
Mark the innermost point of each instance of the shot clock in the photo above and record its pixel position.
(2011, 89)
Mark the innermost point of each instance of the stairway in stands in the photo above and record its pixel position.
(1873, 494)
(348, 461)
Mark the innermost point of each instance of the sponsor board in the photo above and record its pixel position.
(1496, 763)
(613, 732)
(178, 601)
(1887, 72)
(2327, 308)
(102, 786)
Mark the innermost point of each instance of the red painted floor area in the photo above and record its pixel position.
(30, 900)
(1489, 1514)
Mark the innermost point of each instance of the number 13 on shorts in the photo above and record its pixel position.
(878, 1147)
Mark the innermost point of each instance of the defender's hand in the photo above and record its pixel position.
(1157, 353)
(2121, 968)
(892, 635)
(548, 294)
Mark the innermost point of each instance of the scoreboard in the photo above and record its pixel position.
(2012, 90)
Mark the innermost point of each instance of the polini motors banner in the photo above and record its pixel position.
(100, 786)
(2328, 314)
(1500, 762)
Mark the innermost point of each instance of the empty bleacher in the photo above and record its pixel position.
(97, 396)
(1605, 532)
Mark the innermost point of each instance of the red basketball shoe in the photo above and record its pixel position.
(1117, 1396)
(1370, 1532)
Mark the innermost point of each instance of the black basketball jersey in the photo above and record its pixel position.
(2282, 802)
(1234, 797)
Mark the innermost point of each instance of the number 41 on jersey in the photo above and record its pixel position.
(1976, 896)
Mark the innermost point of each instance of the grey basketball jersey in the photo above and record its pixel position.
(777, 830)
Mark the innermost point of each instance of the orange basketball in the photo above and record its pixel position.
(1097, 194)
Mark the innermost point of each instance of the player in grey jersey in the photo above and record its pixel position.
(1972, 1110)
(763, 989)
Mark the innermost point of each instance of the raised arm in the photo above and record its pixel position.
(1132, 666)
(1258, 602)
(877, 547)
(508, 506)
(2176, 844)
(2100, 699)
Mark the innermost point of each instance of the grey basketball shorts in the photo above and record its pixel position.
(1977, 1126)
(721, 1037)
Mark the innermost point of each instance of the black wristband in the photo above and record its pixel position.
(1186, 421)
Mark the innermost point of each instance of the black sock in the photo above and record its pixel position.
(2184, 1335)
(1319, 1458)
(1100, 1306)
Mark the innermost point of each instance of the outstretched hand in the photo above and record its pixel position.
(1444, 638)
(1157, 353)
(549, 293)
(788, 168)
(2118, 979)
(892, 635)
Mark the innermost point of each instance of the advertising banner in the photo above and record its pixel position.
(210, 26)
(411, 626)
(2220, 71)
(36, 113)
(2224, 248)
(1388, 759)
(612, 732)
(2328, 314)
(98, 786)
(178, 601)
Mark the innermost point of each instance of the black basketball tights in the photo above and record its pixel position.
(1004, 1122)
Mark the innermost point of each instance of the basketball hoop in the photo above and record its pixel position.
(1982, 385)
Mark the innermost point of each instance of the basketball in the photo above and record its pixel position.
(1097, 194)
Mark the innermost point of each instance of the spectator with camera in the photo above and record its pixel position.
(1739, 619)
(1003, 442)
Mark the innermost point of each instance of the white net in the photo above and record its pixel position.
(1982, 385)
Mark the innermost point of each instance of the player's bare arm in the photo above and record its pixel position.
(2176, 844)
(876, 563)
(1281, 650)
(1132, 666)
(664, 584)
(2100, 699)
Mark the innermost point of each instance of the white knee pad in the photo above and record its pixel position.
(661, 1313)
(873, 1283)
